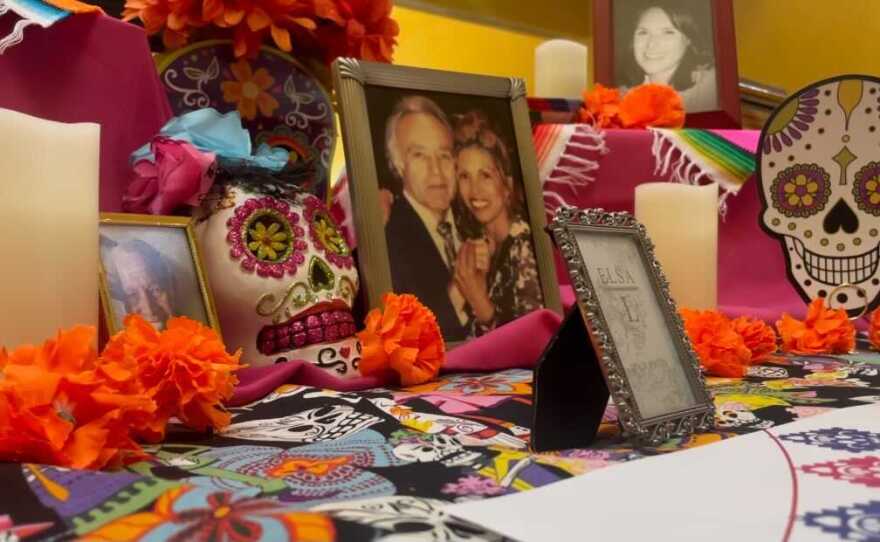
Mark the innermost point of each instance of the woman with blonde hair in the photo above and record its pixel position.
(496, 274)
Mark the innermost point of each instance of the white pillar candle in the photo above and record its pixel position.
(49, 208)
(560, 69)
(682, 221)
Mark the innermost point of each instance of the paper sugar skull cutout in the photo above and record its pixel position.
(282, 274)
(819, 175)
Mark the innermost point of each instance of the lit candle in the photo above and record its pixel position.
(49, 205)
(682, 221)
(560, 69)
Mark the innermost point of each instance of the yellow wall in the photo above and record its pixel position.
(433, 41)
(792, 43)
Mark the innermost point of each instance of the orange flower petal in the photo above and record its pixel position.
(242, 71)
(281, 37)
(262, 79)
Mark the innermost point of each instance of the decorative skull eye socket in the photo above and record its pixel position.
(866, 188)
(265, 236)
(801, 190)
(268, 236)
(326, 235)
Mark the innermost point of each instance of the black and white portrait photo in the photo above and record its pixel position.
(668, 42)
(455, 218)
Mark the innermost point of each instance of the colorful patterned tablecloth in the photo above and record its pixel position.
(311, 464)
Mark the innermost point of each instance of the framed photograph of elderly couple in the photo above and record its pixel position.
(445, 193)
(687, 44)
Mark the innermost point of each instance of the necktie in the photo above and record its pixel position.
(444, 228)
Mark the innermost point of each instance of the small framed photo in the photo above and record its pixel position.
(150, 265)
(651, 369)
(687, 44)
(446, 197)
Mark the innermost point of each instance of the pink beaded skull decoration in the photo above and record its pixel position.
(282, 275)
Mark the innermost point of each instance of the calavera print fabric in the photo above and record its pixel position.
(318, 465)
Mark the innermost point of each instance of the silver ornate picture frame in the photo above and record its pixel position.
(633, 325)
(355, 83)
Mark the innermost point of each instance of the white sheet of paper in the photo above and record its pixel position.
(744, 488)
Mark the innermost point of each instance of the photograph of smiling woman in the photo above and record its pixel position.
(667, 42)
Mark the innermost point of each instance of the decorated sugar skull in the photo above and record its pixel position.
(819, 175)
(282, 275)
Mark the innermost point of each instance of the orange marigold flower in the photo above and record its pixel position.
(825, 331)
(601, 107)
(174, 18)
(654, 105)
(722, 351)
(361, 29)
(759, 338)
(874, 329)
(403, 337)
(58, 407)
(184, 369)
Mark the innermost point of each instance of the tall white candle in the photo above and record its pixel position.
(560, 69)
(49, 206)
(682, 221)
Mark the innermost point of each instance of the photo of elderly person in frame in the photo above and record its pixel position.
(421, 232)
(151, 271)
(667, 42)
(140, 280)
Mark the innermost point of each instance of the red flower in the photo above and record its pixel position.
(360, 28)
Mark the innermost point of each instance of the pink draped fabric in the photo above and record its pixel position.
(517, 344)
(88, 68)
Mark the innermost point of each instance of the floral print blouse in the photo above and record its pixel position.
(513, 282)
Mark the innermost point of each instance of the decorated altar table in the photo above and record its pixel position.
(305, 463)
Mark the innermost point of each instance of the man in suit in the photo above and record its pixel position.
(422, 237)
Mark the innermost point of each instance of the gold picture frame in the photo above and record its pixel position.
(208, 312)
(354, 80)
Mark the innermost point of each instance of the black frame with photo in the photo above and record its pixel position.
(109, 220)
(360, 86)
(723, 40)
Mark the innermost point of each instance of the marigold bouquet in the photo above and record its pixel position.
(325, 29)
(63, 404)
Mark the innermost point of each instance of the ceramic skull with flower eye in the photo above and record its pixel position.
(819, 175)
(282, 275)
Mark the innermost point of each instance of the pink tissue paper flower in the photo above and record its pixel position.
(181, 174)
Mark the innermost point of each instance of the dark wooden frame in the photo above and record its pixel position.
(728, 116)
